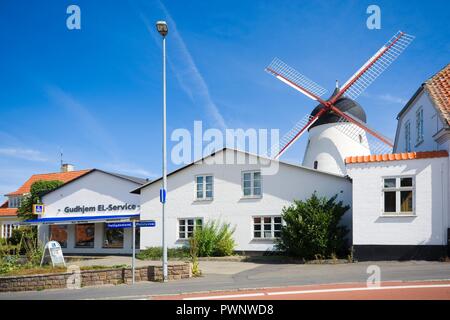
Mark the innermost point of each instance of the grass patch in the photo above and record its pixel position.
(155, 253)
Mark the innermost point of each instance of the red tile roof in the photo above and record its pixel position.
(8, 212)
(61, 176)
(396, 156)
(438, 87)
(5, 211)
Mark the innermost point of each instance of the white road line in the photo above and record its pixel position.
(243, 295)
(246, 295)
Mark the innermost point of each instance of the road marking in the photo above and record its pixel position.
(243, 295)
(258, 294)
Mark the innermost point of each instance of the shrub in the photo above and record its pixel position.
(312, 228)
(151, 253)
(215, 239)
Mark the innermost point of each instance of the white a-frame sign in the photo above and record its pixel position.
(55, 252)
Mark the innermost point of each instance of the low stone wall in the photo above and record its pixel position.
(92, 278)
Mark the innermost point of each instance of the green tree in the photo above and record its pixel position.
(312, 228)
(37, 190)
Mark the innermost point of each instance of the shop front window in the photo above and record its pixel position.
(112, 237)
(59, 233)
(84, 235)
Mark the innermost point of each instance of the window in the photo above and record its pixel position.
(408, 136)
(112, 237)
(316, 164)
(266, 227)
(204, 187)
(6, 230)
(14, 202)
(59, 233)
(251, 184)
(187, 227)
(419, 126)
(398, 195)
(84, 235)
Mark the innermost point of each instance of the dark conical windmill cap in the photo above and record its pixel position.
(345, 105)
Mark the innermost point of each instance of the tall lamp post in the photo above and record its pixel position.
(162, 28)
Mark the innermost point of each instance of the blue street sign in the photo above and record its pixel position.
(139, 224)
(118, 225)
(146, 223)
(162, 195)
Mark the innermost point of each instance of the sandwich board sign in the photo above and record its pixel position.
(54, 250)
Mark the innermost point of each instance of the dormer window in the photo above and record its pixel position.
(14, 202)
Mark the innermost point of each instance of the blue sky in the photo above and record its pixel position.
(96, 92)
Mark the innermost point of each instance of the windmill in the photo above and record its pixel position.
(339, 119)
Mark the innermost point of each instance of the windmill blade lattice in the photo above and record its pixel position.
(373, 68)
(291, 136)
(295, 79)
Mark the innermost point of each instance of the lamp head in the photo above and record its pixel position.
(162, 28)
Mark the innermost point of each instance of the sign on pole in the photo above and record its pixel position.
(55, 252)
(145, 223)
(139, 224)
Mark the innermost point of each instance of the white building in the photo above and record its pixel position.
(82, 214)
(239, 192)
(400, 201)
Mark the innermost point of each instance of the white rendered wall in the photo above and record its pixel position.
(432, 123)
(330, 146)
(91, 190)
(228, 205)
(431, 203)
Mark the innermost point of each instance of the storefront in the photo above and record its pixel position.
(85, 215)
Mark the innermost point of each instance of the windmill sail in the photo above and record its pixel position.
(373, 68)
(295, 79)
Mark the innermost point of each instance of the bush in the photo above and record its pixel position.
(312, 228)
(152, 253)
(214, 239)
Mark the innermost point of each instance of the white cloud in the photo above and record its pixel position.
(393, 99)
(26, 154)
(186, 71)
(126, 168)
(386, 97)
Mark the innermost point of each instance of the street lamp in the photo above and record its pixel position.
(162, 28)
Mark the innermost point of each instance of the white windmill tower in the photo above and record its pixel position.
(337, 126)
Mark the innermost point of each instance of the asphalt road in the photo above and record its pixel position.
(412, 290)
(223, 276)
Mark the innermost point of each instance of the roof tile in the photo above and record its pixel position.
(61, 176)
(396, 156)
(438, 87)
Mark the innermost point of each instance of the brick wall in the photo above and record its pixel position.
(93, 278)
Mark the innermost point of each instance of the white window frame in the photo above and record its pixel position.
(408, 136)
(252, 184)
(272, 227)
(186, 236)
(204, 198)
(419, 126)
(397, 189)
(6, 229)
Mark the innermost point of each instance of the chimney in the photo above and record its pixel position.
(67, 167)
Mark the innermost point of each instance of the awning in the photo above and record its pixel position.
(82, 219)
